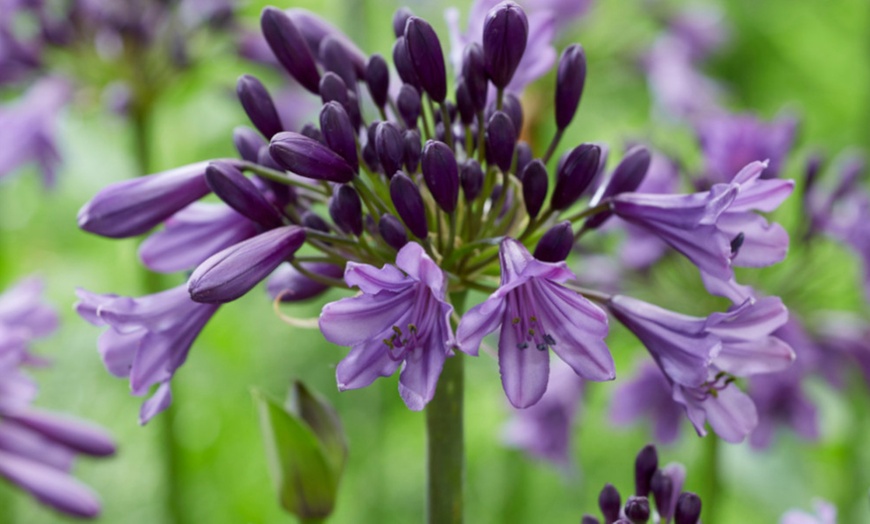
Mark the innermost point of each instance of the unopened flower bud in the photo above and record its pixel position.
(335, 58)
(247, 143)
(471, 178)
(258, 105)
(474, 75)
(392, 231)
(413, 149)
(524, 156)
(390, 146)
(625, 178)
(288, 284)
(333, 89)
(463, 102)
(290, 48)
(556, 244)
(535, 185)
(408, 103)
(513, 108)
(313, 132)
(688, 509)
(505, 33)
(441, 174)
(378, 79)
(338, 133)
(570, 80)
(404, 65)
(353, 110)
(610, 503)
(645, 466)
(662, 488)
(575, 175)
(312, 220)
(811, 171)
(637, 510)
(409, 204)
(501, 138)
(309, 158)
(345, 209)
(424, 49)
(231, 186)
(400, 18)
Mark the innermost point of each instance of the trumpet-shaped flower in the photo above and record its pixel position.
(401, 318)
(536, 314)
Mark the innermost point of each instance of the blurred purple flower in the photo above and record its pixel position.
(536, 314)
(648, 394)
(702, 28)
(401, 317)
(147, 338)
(823, 513)
(729, 411)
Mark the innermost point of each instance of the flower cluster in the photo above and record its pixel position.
(37, 447)
(429, 200)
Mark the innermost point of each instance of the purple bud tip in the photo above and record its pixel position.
(575, 175)
(390, 145)
(289, 285)
(290, 47)
(463, 102)
(535, 185)
(345, 208)
(313, 132)
(231, 186)
(570, 79)
(409, 204)
(403, 63)
(311, 220)
(471, 178)
(556, 244)
(610, 503)
(258, 105)
(335, 58)
(333, 89)
(400, 19)
(229, 274)
(524, 156)
(645, 466)
(338, 133)
(688, 509)
(424, 49)
(513, 108)
(589, 519)
(378, 79)
(811, 170)
(662, 488)
(413, 149)
(474, 75)
(625, 178)
(441, 174)
(309, 158)
(501, 139)
(248, 143)
(505, 33)
(409, 105)
(393, 232)
(637, 509)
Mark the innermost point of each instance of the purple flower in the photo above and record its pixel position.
(648, 394)
(823, 513)
(730, 412)
(544, 430)
(24, 314)
(679, 90)
(401, 317)
(147, 338)
(535, 314)
(287, 284)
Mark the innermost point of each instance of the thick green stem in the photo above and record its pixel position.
(712, 485)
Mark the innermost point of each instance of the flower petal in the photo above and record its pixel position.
(354, 320)
(50, 486)
(524, 372)
(421, 370)
(478, 322)
(365, 363)
(370, 279)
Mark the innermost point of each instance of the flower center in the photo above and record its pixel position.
(530, 331)
(412, 331)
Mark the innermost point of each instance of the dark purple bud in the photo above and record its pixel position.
(524, 155)
(353, 110)
(264, 158)
(463, 102)
(811, 171)
(231, 186)
(589, 519)
(229, 274)
(333, 89)
(335, 58)
(622, 521)
(309, 158)
(501, 139)
(345, 209)
(408, 103)
(688, 509)
(610, 503)
(378, 79)
(392, 231)
(258, 105)
(413, 150)
(313, 132)
(282, 194)
(290, 48)
(424, 49)
(575, 175)
(662, 488)
(338, 133)
(287, 284)
(247, 143)
(645, 466)
(312, 220)
(637, 509)
(471, 177)
(441, 174)
(625, 178)
(400, 18)
(474, 75)
(505, 33)
(513, 108)
(556, 244)
(314, 29)
(535, 185)
(390, 145)
(570, 80)
(409, 204)
(403, 63)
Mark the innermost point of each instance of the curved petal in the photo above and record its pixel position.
(118, 350)
(159, 401)
(764, 244)
(420, 372)
(764, 355)
(416, 263)
(478, 322)
(524, 372)
(365, 363)
(352, 321)
(69, 432)
(52, 487)
(371, 280)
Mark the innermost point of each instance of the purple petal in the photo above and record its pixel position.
(352, 321)
(764, 244)
(118, 350)
(420, 373)
(416, 263)
(159, 401)
(74, 434)
(371, 280)
(478, 322)
(365, 363)
(524, 372)
(50, 486)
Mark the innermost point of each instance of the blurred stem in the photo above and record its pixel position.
(7, 503)
(445, 440)
(711, 478)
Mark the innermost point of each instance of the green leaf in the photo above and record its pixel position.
(322, 419)
(300, 467)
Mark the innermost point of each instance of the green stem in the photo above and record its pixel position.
(712, 484)
(7, 503)
(552, 149)
(445, 441)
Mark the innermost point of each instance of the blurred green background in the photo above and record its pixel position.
(809, 56)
